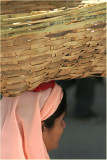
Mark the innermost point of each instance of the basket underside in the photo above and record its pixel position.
(63, 44)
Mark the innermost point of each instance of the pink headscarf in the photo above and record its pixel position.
(21, 116)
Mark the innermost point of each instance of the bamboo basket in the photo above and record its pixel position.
(40, 41)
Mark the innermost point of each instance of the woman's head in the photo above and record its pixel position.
(53, 127)
(21, 119)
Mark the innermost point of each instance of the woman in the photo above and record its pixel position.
(32, 123)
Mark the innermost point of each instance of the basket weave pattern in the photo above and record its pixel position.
(66, 45)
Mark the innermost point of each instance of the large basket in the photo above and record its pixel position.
(41, 43)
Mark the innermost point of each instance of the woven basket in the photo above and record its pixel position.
(39, 46)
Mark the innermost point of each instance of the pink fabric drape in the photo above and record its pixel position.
(21, 116)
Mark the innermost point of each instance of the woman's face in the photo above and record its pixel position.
(52, 136)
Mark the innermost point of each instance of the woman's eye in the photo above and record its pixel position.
(64, 118)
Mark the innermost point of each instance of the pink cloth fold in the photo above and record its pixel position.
(21, 116)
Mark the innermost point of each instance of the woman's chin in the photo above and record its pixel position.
(56, 146)
(53, 148)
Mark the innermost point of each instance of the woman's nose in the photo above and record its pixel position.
(64, 124)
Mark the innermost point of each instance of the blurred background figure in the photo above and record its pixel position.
(85, 90)
(85, 133)
(84, 98)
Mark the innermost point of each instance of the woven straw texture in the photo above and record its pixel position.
(39, 46)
